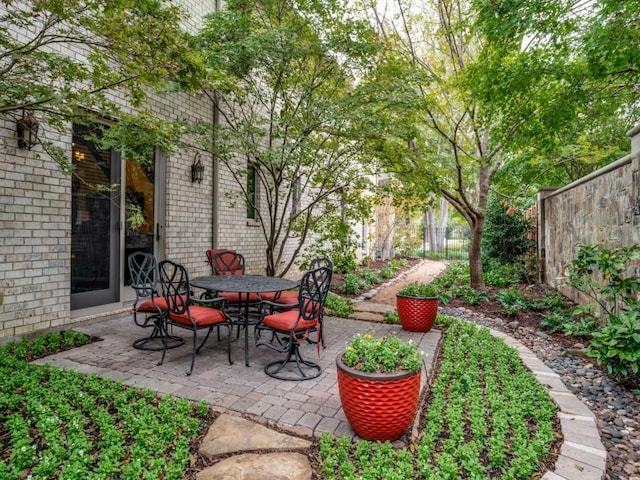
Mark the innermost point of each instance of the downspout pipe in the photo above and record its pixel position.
(215, 170)
(215, 167)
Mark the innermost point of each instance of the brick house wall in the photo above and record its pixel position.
(35, 217)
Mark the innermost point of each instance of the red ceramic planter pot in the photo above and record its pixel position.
(417, 314)
(378, 406)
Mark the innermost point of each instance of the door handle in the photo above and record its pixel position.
(158, 231)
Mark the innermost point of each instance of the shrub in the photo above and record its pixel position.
(580, 327)
(473, 296)
(335, 241)
(550, 300)
(370, 276)
(556, 320)
(388, 272)
(506, 233)
(502, 275)
(617, 345)
(338, 306)
(353, 283)
(602, 275)
(511, 301)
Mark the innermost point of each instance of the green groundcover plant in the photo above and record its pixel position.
(63, 424)
(486, 416)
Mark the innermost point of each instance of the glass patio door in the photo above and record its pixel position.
(145, 234)
(95, 239)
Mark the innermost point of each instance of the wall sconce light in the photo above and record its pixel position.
(27, 129)
(197, 169)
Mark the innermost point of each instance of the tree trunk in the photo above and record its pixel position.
(270, 270)
(475, 256)
(444, 213)
(431, 230)
(441, 230)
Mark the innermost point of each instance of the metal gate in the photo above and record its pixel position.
(451, 243)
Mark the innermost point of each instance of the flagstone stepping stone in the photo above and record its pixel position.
(230, 434)
(253, 466)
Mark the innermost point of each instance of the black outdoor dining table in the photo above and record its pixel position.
(243, 284)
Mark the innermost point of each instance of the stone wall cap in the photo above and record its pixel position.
(634, 131)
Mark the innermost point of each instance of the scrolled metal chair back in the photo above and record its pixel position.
(143, 268)
(321, 262)
(228, 263)
(312, 295)
(175, 286)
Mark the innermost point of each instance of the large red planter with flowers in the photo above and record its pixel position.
(379, 406)
(417, 314)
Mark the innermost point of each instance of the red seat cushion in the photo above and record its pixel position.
(283, 322)
(288, 297)
(214, 251)
(269, 296)
(233, 297)
(202, 316)
(161, 302)
(234, 271)
(147, 305)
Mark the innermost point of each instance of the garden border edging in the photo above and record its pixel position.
(582, 455)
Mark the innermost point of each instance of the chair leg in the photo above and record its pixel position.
(257, 333)
(307, 370)
(228, 343)
(161, 333)
(321, 332)
(164, 345)
(194, 350)
(205, 339)
(197, 350)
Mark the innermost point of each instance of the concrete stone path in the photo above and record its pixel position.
(256, 409)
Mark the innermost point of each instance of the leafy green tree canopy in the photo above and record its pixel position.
(61, 60)
(281, 78)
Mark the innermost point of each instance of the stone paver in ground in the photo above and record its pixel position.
(234, 434)
(251, 466)
(369, 311)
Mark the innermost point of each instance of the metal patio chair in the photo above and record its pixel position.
(287, 300)
(293, 327)
(149, 306)
(193, 314)
(230, 262)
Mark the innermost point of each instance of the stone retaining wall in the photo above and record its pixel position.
(602, 209)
